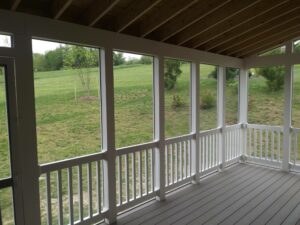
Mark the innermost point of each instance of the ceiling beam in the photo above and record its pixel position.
(97, 10)
(273, 44)
(186, 18)
(14, 4)
(252, 33)
(211, 20)
(59, 7)
(281, 30)
(236, 21)
(161, 14)
(136, 11)
(217, 44)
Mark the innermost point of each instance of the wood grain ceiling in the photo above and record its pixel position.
(236, 28)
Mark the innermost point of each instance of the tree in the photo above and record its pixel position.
(274, 76)
(81, 59)
(118, 58)
(39, 62)
(231, 73)
(172, 72)
(146, 59)
(54, 59)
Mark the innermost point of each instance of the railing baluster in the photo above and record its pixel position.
(267, 145)
(120, 180)
(167, 165)
(260, 144)
(98, 175)
(185, 158)
(152, 168)
(180, 152)
(70, 187)
(49, 203)
(60, 198)
(146, 171)
(90, 189)
(176, 162)
(278, 146)
(80, 192)
(134, 175)
(296, 148)
(127, 177)
(190, 156)
(171, 156)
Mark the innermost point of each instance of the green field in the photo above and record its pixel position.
(69, 124)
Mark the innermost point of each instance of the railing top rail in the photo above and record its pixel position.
(209, 132)
(136, 148)
(265, 127)
(179, 139)
(67, 163)
(233, 127)
(295, 130)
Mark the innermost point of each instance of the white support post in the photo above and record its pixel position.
(159, 126)
(108, 133)
(28, 176)
(221, 114)
(195, 120)
(243, 110)
(288, 80)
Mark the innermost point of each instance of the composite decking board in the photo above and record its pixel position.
(243, 191)
(279, 217)
(271, 211)
(216, 214)
(198, 211)
(194, 196)
(206, 185)
(273, 192)
(293, 217)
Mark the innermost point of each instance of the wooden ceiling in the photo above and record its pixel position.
(236, 28)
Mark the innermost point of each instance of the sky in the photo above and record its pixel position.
(41, 47)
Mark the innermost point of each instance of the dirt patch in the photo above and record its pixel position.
(88, 98)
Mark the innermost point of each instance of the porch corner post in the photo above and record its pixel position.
(195, 120)
(108, 134)
(28, 177)
(243, 111)
(221, 115)
(287, 117)
(159, 126)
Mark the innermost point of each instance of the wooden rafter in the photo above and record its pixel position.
(222, 14)
(271, 38)
(167, 10)
(273, 44)
(97, 10)
(252, 33)
(137, 10)
(15, 4)
(281, 30)
(186, 19)
(239, 19)
(217, 44)
(59, 7)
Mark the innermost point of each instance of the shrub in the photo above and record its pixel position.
(146, 59)
(208, 101)
(172, 72)
(274, 76)
(177, 102)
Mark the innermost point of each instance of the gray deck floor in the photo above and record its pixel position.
(242, 194)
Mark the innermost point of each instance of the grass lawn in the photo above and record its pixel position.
(69, 124)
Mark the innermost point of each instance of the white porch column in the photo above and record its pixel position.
(243, 110)
(195, 120)
(221, 114)
(108, 133)
(287, 117)
(159, 126)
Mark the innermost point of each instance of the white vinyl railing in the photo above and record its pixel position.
(264, 144)
(75, 191)
(178, 168)
(295, 154)
(209, 145)
(72, 191)
(233, 142)
(135, 175)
